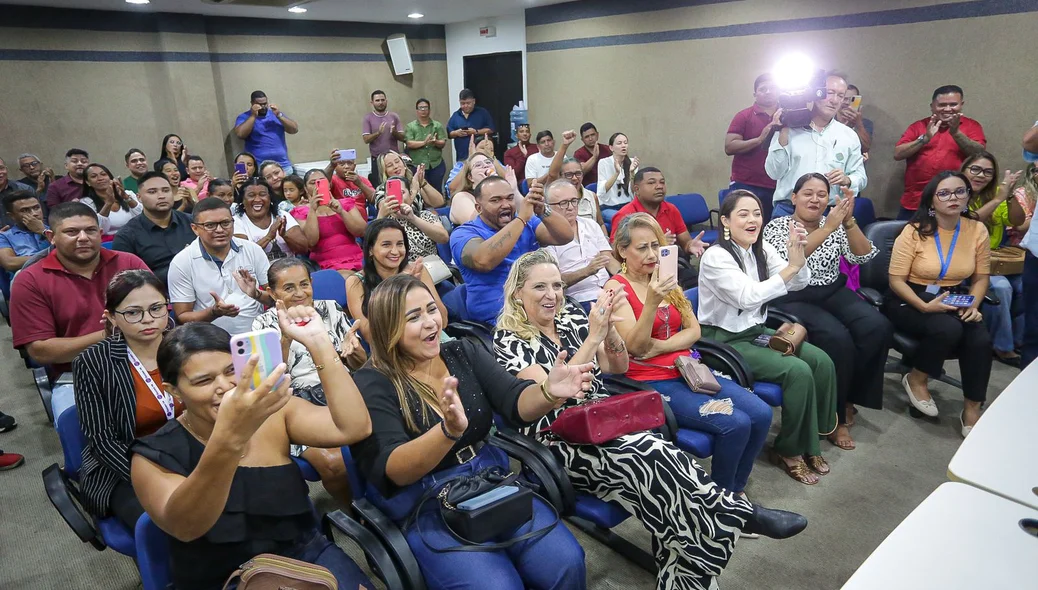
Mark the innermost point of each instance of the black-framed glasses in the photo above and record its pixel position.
(567, 204)
(978, 171)
(210, 226)
(572, 175)
(947, 195)
(135, 315)
(30, 164)
(423, 108)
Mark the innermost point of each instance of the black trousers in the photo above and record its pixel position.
(125, 505)
(943, 336)
(855, 335)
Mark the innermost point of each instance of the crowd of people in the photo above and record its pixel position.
(136, 284)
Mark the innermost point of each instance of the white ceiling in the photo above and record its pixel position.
(382, 11)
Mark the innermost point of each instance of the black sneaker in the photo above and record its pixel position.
(7, 423)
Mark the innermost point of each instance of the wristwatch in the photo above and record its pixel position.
(547, 211)
(923, 139)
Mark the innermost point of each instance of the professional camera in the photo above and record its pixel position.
(800, 84)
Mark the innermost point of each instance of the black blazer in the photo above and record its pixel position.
(107, 406)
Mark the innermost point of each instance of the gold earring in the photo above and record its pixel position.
(727, 233)
(623, 267)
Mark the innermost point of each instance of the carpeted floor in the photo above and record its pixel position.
(898, 462)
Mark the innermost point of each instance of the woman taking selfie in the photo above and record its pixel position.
(432, 411)
(278, 234)
(656, 322)
(854, 334)
(119, 392)
(738, 277)
(219, 480)
(941, 248)
(636, 470)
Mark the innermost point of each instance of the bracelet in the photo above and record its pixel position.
(850, 225)
(551, 399)
(320, 367)
(443, 427)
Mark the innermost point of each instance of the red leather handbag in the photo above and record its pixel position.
(603, 420)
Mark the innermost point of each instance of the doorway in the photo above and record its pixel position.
(497, 81)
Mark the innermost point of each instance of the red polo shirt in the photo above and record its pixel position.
(517, 159)
(668, 217)
(942, 153)
(583, 155)
(48, 301)
(748, 167)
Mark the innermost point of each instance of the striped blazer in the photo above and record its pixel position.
(107, 404)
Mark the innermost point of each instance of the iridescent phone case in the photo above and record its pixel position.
(265, 343)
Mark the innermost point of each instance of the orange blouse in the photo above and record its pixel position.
(916, 258)
(149, 415)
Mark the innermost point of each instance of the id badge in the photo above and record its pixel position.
(933, 289)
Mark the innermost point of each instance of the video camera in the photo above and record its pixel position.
(794, 102)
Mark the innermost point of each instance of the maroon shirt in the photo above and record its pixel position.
(517, 160)
(63, 190)
(583, 155)
(48, 301)
(748, 167)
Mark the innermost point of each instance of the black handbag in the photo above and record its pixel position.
(473, 528)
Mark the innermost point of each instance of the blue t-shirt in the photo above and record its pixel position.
(23, 242)
(479, 119)
(484, 295)
(267, 140)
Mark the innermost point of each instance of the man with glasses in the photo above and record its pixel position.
(36, 175)
(939, 142)
(57, 304)
(69, 187)
(425, 138)
(219, 278)
(160, 232)
(826, 146)
(587, 262)
(573, 170)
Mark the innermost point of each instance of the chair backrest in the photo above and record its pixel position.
(152, 554)
(721, 194)
(693, 297)
(864, 211)
(329, 284)
(882, 233)
(454, 301)
(73, 441)
(593, 187)
(692, 206)
(106, 245)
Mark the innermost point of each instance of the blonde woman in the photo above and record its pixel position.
(476, 168)
(695, 532)
(391, 164)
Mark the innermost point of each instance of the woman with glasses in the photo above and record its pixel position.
(587, 262)
(990, 203)
(943, 246)
(119, 392)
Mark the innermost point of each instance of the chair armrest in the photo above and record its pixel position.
(871, 296)
(669, 430)
(776, 317)
(617, 384)
(392, 539)
(373, 548)
(539, 461)
(722, 357)
(991, 299)
(467, 328)
(62, 495)
(43, 386)
(714, 212)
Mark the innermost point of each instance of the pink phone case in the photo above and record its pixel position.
(265, 343)
(395, 190)
(668, 262)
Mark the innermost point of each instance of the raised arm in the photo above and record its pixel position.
(244, 129)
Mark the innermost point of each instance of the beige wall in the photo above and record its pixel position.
(676, 99)
(106, 107)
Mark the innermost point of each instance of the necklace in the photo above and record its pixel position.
(187, 424)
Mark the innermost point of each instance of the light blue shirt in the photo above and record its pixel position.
(23, 242)
(836, 147)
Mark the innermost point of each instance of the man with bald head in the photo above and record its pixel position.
(488, 245)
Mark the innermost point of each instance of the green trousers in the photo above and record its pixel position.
(808, 381)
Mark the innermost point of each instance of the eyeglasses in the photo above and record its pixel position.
(567, 204)
(423, 108)
(978, 171)
(572, 175)
(135, 315)
(947, 195)
(210, 226)
(31, 164)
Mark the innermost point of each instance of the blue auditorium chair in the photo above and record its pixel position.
(694, 212)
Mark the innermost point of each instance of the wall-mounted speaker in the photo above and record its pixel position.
(400, 54)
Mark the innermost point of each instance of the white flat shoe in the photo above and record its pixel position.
(965, 429)
(927, 407)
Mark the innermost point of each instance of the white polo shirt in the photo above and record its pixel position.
(575, 255)
(194, 275)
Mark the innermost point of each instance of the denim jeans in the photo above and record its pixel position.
(62, 397)
(999, 318)
(318, 550)
(738, 437)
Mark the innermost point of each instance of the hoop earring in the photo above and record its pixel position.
(930, 212)
(727, 234)
(623, 267)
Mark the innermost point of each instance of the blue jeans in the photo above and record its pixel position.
(999, 318)
(766, 196)
(318, 550)
(782, 208)
(738, 438)
(62, 398)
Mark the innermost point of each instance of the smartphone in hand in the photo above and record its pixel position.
(668, 263)
(239, 168)
(347, 154)
(395, 190)
(959, 300)
(266, 344)
(324, 194)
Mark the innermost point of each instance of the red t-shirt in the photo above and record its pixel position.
(942, 153)
(344, 189)
(517, 160)
(666, 323)
(748, 167)
(668, 217)
(47, 301)
(583, 155)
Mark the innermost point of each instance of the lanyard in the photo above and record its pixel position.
(165, 399)
(946, 262)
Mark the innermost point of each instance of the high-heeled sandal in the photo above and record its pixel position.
(817, 464)
(798, 471)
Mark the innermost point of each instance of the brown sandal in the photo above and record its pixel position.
(817, 464)
(798, 471)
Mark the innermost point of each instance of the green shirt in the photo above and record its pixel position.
(429, 155)
(130, 183)
(998, 223)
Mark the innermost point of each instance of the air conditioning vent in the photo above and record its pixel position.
(262, 3)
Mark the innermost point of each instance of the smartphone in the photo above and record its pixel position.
(347, 154)
(762, 340)
(324, 194)
(489, 497)
(265, 343)
(668, 263)
(395, 190)
(239, 168)
(856, 103)
(959, 300)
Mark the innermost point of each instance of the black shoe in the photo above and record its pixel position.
(7, 423)
(777, 524)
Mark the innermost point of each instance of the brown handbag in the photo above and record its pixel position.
(1007, 261)
(274, 572)
(697, 375)
(788, 338)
